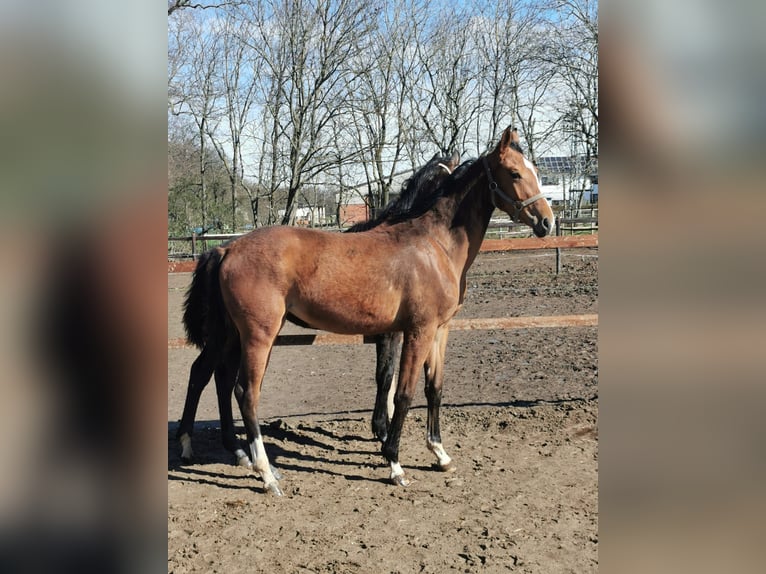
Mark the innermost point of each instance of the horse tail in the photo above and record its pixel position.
(204, 315)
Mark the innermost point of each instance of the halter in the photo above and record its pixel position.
(518, 205)
(449, 171)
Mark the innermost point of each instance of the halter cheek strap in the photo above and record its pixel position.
(449, 171)
(494, 189)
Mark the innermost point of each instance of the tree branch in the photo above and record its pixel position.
(174, 5)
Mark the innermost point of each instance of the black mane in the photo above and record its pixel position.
(419, 188)
(448, 187)
(425, 203)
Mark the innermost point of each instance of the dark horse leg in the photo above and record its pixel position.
(201, 371)
(387, 349)
(224, 364)
(415, 349)
(225, 379)
(434, 376)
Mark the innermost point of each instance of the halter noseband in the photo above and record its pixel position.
(449, 171)
(518, 205)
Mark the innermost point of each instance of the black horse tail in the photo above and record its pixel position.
(204, 315)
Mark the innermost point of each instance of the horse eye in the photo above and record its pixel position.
(515, 175)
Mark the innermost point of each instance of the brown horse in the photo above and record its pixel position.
(406, 275)
(220, 354)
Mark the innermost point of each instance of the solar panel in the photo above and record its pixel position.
(563, 164)
(554, 164)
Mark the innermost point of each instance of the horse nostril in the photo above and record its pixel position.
(546, 224)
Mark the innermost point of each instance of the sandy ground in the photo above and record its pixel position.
(519, 418)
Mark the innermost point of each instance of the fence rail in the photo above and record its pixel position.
(504, 323)
(567, 223)
(488, 245)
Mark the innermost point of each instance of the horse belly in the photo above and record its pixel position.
(348, 311)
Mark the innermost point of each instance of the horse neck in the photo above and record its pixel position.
(467, 217)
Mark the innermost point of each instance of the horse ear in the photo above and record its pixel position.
(506, 138)
(510, 137)
(455, 159)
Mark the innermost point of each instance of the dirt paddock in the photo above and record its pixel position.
(519, 418)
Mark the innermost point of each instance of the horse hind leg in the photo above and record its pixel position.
(199, 376)
(434, 377)
(239, 393)
(387, 349)
(225, 380)
(255, 358)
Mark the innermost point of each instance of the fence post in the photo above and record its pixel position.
(558, 249)
(194, 245)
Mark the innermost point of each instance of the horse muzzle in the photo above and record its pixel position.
(542, 226)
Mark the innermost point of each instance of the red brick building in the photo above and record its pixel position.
(353, 213)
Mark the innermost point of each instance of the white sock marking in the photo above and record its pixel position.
(186, 448)
(441, 454)
(261, 462)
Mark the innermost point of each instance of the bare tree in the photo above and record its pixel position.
(193, 92)
(295, 95)
(174, 5)
(385, 74)
(575, 56)
(266, 42)
(534, 112)
(184, 198)
(236, 77)
(313, 43)
(506, 35)
(339, 171)
(445, 100)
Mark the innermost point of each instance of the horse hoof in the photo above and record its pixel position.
(186, 449)
(449, 467)
(244, 460)
(400, 480)
(273, 489)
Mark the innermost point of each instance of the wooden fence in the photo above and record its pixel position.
(504, 323)
(190, 246)
(488, 245)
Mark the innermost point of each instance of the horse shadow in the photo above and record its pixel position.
(291, 449)
(302, 448)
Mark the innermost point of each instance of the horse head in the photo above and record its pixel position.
(515, 187)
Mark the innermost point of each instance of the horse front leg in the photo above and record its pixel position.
(434, 376)
(199, 376)
(414, 352)
(387, 350)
